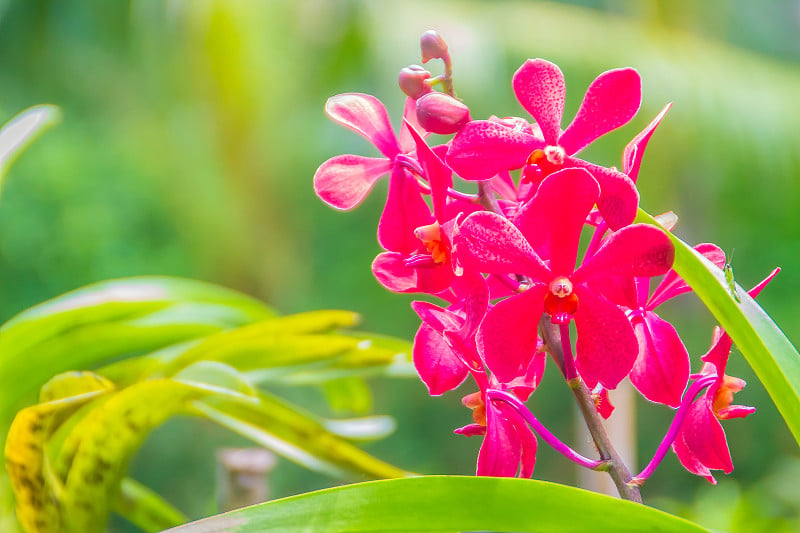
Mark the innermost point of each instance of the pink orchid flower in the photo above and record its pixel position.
(701, 445)
(483, 148)
(507, 338)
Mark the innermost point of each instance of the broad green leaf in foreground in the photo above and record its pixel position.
(770, 354)
(21, 130)
(447, 503)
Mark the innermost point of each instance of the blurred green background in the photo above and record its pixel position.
(191, 131)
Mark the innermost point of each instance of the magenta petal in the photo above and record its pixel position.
(390, 270)
(404, 212)
(439, 319)
(636, 250)
(439, 368)
(409, 119)
(606, 346)
(704, 436)
(439, 175)
(539, 86)
(619, 198)
(471, 430)
(489, 243)
(689, 461)
(610, 102)
(673, 285)
(633, 153)
(365, 115)
(345, 180)
(560, 205)
(481, 149)
(507, 337)
(529, 446)
(501, 449)
(662, 369)
(473, 289)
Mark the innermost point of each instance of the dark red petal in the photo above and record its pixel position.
(662, 368)
(365, 115)
(437, 365)
(507, 337)
(606, 346)
(481, 149)
(610, 102)
(540, 89)
(636, 250)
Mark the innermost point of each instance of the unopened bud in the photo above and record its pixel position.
(432, 46)
(412, 81)
(440, 113)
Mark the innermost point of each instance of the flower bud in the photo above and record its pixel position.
(412, 81)
(432, 46)
(440, 113)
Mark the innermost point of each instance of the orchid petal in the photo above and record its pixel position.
(437, 365)
(560, 205)
(440, 320)
(500, 451)
(719, 352)
(606, 346)
(391, 272)
(365, 115)
(529, 445)
(471, 430)
(689, 461)
(409, 119)
(404, 212)
(705, 438)
(619, 198)
(611, 101)
(489, 243)
(344, 181)
(540, 89)
(481, 149)
(507, 337)
(635, 250)
(673, 285)
(475, 300)
(661, 371)
(634, 151)
(440, 177)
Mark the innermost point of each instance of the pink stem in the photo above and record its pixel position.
(674, 428)
(566, 345)
(471, 198)
(549, 438)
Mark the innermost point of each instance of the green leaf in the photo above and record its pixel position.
(348, 395)
(143, 507)
(21, 130)
(770, 354)
(442, 503)
(293, 434)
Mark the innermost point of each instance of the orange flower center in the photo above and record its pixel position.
(431, 237)
(723, 398)
(547, 160)
(474, 401)
(560, 302)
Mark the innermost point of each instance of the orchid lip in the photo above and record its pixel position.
(419, 261)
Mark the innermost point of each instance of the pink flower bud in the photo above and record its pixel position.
(412, 81)
(440, 113)
(432, 46)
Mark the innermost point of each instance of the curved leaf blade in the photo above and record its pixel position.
(22, 130)
(769, 353)
(447, 503)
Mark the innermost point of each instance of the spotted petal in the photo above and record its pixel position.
(611, 101)
(344, 181)
(619, 198)
(365, 115)
(636, 250)
(540, 89)
(481, 149)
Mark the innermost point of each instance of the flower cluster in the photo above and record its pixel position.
(507, 261)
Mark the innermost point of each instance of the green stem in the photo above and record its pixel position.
(616, 467)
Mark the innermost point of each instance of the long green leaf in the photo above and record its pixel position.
(443, 503)
(770, 354)
(145, 508)
(21, 130)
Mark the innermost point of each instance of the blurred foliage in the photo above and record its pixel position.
(191, 131)
(206, 352)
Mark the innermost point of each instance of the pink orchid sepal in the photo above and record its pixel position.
(606, 345)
